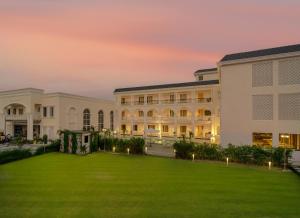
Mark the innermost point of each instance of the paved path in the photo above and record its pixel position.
(160, 150)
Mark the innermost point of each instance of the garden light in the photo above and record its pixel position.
(270, 165)
(146, 149)
(174, 150)
(128, 150)
(227, 161)
(114, 149)
(193, 155)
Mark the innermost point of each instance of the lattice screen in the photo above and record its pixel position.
(262, 74)
(289, 106)
(289, 71)
(262, 107)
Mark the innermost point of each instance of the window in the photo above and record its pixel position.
(150, 114)
(262, 107)
(207, 113)
(182, 129)
(123, 100)
(172, 114)
(262, 139)
(14, 111)
(21, 111)
(172, 98)
(86, 139)
(111, 120)
(44, 111)
(183, 113)
(262, 74)
(8, 111)
(288, 72)
(200, 77)
(289, 106)
(183, 97)
(289, 140)
(165, 128)
(151, 126)
(123, 128)
(149, 99)
(86, 119)
(51, 111)
(141, 113)
(141, 100)
(123, 114)
(100, 120)
(135, 127)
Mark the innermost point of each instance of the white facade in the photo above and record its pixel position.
(260, 100)
(172, 110)
(33, 113)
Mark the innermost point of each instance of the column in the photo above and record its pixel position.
(2, 123)
(29, 127)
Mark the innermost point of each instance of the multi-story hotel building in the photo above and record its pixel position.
(32, 113)
(260, 97)
(250, 98)
(173, 110)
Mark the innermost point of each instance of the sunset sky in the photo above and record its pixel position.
(91, 47)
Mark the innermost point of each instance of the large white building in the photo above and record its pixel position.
(33, 113)
(172, 110)
(250, 98)
(260, 97)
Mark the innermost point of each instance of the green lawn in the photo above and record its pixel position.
(108, 185)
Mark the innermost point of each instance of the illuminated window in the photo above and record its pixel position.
(165, 128)
(86, 119)
(183, 113)
(262, 139)
(183, 129)
(289, 140)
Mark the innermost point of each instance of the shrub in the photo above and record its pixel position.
(17, 154)
(184, 149)
(45, 139)
(278, 155)
(53, 147)
(74, 143)
(136, 145)
(208, 152)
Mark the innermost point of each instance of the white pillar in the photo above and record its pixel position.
(29, 127)
(2, 123)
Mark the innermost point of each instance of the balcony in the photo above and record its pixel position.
(152, 102)
(36, 116)
(184, 119)
(184, 101)
(203, 100)
(124, 103)
(139, 103)
(167, 101)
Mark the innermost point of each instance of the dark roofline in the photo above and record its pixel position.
(164, 86)
(261, 52)
(205, 70)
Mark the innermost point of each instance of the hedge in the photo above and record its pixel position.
(245, 154)
(18, 154)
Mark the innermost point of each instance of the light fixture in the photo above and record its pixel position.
(114, 149)
(270, 165)
(193, 155)
(227, 161)
(128, 150)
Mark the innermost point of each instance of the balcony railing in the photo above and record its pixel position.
(126, 103)
(168, 101)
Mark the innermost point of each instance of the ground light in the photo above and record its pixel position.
(114, 149)
(270, 165)
(146, 149)
(227, 161)
(193, 155)
(128, 150)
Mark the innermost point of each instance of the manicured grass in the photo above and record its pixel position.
(108, 185)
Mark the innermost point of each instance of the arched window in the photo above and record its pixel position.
(100, 120)
(150, 113)
(111, 120)
(86, 119)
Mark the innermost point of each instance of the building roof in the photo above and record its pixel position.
(262, 52)
(206, 70)
(165, 86)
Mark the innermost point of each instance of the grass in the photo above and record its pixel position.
(108, 185)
